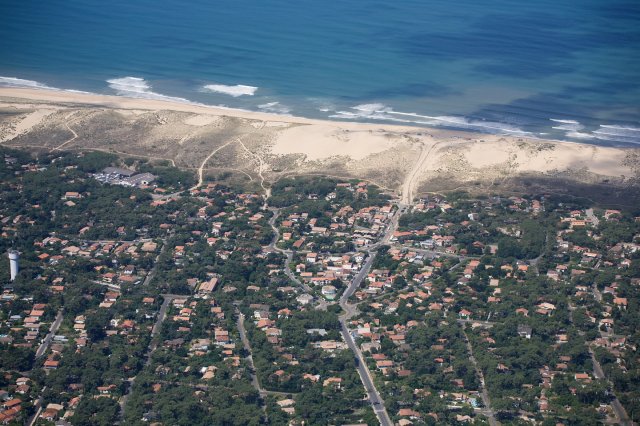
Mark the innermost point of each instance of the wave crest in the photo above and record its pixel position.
(571, 127)
(275, 108)
(20, 82)
(31, 84)
(235, 91)
(136, 87)
(378, 111)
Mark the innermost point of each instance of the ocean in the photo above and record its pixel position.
(562, 69)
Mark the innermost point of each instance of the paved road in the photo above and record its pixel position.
(618, 409)
(377, 403)
(276, 232)
(434, 253)
(162, 313)
(592, 218)
(153, 270)
(598, 373)
(292, 276)
(355, 283)
(596, 293)
(322, 304)
(488, 411)
(110, 286)
(247, 346)
(49, 337)
(249, 357)
(485, 324)
(37, 404)
(391, 228)
(153, 345)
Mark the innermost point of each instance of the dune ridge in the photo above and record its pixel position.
(262, 147)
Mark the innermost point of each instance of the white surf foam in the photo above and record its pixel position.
(31, 84)
(374, 111)
(235, 91)
(466, 123)
(136, 87)
(19, 82)
(575, 130)
(567, 125)
(610, 132)
(275, 107)
(322, 104)
(557, 120)
(378, 111)
(613, 130)
(372, 108)
(578, 135)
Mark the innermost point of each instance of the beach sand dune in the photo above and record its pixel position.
(261, 147)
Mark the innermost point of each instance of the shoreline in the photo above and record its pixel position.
(265, 145)
(53, 95)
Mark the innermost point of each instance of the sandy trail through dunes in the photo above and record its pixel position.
(191, 135)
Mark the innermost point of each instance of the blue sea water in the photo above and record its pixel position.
(561, 69)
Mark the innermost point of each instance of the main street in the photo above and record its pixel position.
(377, 403)
(374, 397)
(49, 337)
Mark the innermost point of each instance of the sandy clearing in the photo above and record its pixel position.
(320, 142)
(28, 122)
(201, 120)
(551, 156)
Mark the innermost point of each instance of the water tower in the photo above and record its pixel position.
(14, 257)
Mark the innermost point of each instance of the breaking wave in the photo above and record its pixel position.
(568, 125)
(275, 108)
(136, 87)
(578, 135)
(612, 133)
(378, 111)
(31, 84)
(19, 82)
(235, 91)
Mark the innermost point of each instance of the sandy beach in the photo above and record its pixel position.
(263, 147)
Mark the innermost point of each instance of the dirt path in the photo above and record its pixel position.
(201, 168)
(261, 167)
(410, 183)
(75, 136)
(238, 140)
